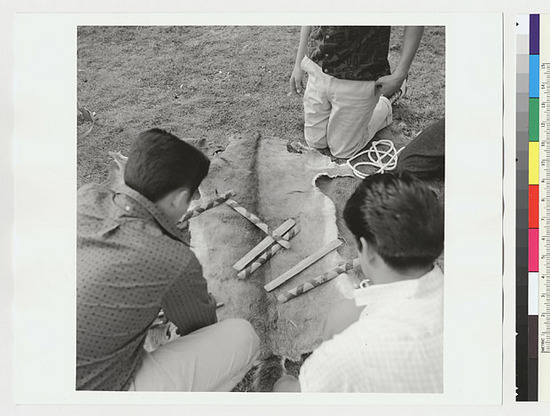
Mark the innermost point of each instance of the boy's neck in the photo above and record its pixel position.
(386, 274)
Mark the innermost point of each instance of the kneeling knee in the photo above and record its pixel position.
(243, 330)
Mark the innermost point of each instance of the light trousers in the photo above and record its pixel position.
(213, 358)
(342, 115)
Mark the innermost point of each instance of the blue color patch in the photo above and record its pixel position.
(534, 76)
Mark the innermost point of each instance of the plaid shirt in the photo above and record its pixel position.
(357, 53)
(396, 346)
(131, 261)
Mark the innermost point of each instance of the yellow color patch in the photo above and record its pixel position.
(533, 163)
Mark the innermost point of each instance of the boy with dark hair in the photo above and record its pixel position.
(400, 218)
(390, 339)
(159, 162)
(132, 261)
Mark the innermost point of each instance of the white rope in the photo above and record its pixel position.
(382, 155)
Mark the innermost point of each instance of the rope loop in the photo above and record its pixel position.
(382, 155)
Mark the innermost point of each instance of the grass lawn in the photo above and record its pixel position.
(210, 82)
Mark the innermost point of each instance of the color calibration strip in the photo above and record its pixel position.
(523, 390)
(543, 211)
(533, 242)
(532, 319)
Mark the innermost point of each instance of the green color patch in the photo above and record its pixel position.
(533, 119)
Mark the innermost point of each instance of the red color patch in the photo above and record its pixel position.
(533, 206)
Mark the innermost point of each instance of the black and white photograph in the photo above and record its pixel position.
(260, 208)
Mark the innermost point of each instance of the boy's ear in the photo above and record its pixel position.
(362, 244)
(365, 248)
(180, 195)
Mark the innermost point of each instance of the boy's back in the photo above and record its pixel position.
(126, 264)
(396, 345)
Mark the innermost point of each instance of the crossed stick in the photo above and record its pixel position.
(272, 244)
(274, 249)
(273, 239)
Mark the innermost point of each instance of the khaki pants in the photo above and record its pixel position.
(213, 358)
(342, 115)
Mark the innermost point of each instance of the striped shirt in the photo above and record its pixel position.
(131, 262)
(396, 346)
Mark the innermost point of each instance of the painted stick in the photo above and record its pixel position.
(275, 248)
(256, 221)
(206, 205)
(263, 245)
(319, 280)
(304, 264)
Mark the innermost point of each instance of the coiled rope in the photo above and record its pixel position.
(382, 155)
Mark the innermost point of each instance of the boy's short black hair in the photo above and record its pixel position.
(159, 163)
(400, 216)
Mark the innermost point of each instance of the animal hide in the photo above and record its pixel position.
(275, 185)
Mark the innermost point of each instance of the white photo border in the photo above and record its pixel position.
(45, 242)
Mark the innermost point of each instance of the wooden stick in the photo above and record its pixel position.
(304, 264)
(263, 245)
(256, 221)
(210, 203)
(248, 215)
(275, 248)
(319, 280)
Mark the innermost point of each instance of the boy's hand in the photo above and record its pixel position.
(388, 85)
(296, 80)
(212, 299)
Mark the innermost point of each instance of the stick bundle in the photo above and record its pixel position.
(275, 248)
(263, 245)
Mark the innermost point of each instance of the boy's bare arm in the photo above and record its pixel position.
(297, 76)
(389, 84)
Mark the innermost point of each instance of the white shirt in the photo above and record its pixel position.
(396, 346)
